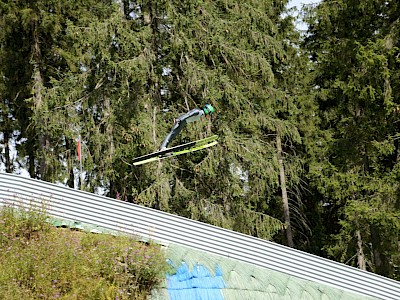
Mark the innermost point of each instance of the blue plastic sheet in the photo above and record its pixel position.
(198, 284)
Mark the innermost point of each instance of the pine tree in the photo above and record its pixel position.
(117, 75)
(35, 42)
(234, 55)
(105, 96)
(14, 68)
(355, 45)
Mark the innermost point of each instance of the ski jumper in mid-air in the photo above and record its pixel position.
(181, 121)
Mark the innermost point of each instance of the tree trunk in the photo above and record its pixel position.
(360, 252)
(6, 138)
(125, 8)
(70, 165)
(7, 151)
(31, 158)
(109, 130)
(285, 200)
(158, 172)
(38, 99)
(381, 261)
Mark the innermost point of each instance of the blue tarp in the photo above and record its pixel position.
(198, 284)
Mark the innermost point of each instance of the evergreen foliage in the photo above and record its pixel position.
(237, 57)
(308, 151)
(355, 47)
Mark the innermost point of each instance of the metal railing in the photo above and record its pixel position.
(115, 215)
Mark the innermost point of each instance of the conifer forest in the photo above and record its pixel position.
(308, 121)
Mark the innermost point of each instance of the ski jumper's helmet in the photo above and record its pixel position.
(208, 109)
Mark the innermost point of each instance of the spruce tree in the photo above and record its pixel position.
(117, 75)
(235, 56)
(354, 45)
(104, 95)
(35, 44)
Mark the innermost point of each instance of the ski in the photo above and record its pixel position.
(177, 150)
(172, 154)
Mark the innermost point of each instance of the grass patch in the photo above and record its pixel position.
(39, 261)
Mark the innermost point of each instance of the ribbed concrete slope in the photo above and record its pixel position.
(247, 281)
(69, 204)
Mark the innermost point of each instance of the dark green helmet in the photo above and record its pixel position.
(208, 109)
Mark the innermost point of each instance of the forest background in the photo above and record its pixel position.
(308, 123)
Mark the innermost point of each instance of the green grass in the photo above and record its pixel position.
(38, 261)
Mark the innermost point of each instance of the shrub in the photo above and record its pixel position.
(38, 261)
